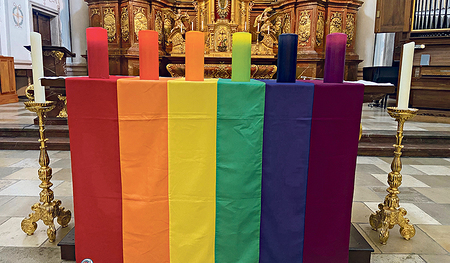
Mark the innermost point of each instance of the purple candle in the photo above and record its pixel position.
(335, 58)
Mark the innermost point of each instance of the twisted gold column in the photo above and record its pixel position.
(47, 209)
(390, 214)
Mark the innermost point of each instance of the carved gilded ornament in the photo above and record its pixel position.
(336, 23)
(125, 29)
(159, 26)
(223, 8)
(287, 24)
(95, 11)
(140, 20)
(109, 23)
(320, 28)
(304, 27)
(54, 53)
(350, 28)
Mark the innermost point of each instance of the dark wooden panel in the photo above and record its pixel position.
(390, 18)
(427, 98)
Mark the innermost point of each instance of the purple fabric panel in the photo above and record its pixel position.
(287, 127)
(332, 161)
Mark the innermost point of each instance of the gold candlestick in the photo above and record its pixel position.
(390, 214)
(47, 209)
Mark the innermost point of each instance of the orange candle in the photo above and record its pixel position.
(195, 63)
(148, 55)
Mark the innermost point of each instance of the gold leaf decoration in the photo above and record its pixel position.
(140, 20)
(336, 23)
(304, 27)
(350, 28)
(125, 24)
(320, 28)
(109, 23)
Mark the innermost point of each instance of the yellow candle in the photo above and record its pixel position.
(37, 66)
(405, 75)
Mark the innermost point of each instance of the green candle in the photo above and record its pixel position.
(241, 56)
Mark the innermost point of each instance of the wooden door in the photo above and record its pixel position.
(41, 24)
(393, 16)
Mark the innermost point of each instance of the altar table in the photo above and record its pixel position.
(213, 171)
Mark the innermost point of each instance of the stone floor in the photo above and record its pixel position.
(425, 194)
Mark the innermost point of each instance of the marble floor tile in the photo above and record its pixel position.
(6, 183)
(61, 154)
(366, 237)
(440, 234)
(438, 181)
(28, 174)
(26, 188)
(363, 193)
(437, 195)
(30, 255)
(3, 219)
(27, 162)
(406, 169)
(5, 162)
(433, 161)
(61, 163)
(407, 180)
(360, 213)
(5, 199)
(405, 161)
(64, 189)
(396, 258)
(11, 153)
(440, 212)
(369, 160)
(407, 195)
(421, 243)
(436, 258)
(5, 171)
(19, 206)
(12, 235)
(414, 213)
(433, 169)
(363, 179)
(64, 174)
(368, 168)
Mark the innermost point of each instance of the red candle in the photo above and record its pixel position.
(335, 58)
(195, 63)
(97, 51)
(148, 55)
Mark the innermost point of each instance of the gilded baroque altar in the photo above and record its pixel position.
(219, 19)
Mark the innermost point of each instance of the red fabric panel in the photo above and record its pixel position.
(332, 161)
(94, 145)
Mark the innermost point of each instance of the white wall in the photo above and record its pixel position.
(365, 36)
(19, 35)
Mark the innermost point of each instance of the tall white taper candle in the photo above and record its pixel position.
(37, 66)
(404, 86)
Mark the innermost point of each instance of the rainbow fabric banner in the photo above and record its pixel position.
(211, 171)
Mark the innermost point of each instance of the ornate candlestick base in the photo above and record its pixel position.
(47, 209)
(390, 214)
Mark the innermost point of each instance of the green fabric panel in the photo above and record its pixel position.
(240, 119)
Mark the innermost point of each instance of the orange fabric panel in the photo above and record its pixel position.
(143, 129)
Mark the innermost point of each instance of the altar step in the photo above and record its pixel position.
(416, 143)
(25, 137)
(359, 250)
(373, 143)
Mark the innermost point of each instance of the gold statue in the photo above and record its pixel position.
(174, 29)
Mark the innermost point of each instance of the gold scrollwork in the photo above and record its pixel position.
(125, 28)
(336, 23)
(287, 24)
(109, 23)
(304, 27)
(350, 28)
(54, 53)
(159, 26)
(320, 28)
(140, 20)
(95, 11)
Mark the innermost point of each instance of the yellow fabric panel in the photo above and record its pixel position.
(192, 113)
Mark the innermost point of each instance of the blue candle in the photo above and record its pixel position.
(287, 57)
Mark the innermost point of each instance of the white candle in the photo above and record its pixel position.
(192, 26)
(202, 25)
(268, 30)
(257, 30)
(37, 66)
(404, 86)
